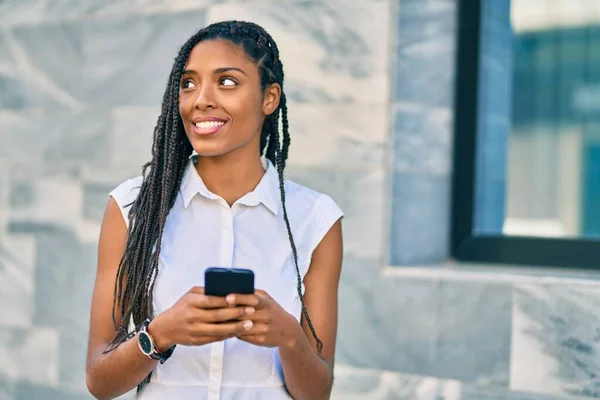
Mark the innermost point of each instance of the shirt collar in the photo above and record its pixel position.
(266, 192)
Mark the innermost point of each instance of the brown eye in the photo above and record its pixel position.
(228, 82)
(188, 84)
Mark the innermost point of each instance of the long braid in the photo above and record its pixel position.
(280, 166)
(147, 216)
(281, 154)
(285, 125)
(153, 197)
(138, 268)
(272, 146)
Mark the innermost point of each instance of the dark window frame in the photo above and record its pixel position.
(467, 246)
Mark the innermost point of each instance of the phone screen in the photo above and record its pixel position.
(219, 281)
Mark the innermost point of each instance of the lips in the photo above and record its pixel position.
(207, 126)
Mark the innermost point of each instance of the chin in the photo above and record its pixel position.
(217, 148)
(207, 149)
(210, 152)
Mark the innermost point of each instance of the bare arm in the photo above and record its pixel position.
(191, 321)
(308, 376)
(113, 374)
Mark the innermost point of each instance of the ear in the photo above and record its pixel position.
(271, 98)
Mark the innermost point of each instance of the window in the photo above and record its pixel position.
(526, 185)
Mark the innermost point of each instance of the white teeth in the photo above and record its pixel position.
(209, 124)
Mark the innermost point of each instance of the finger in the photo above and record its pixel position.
(258, 329)
(228, 314)
(226, 328)
(196, 290)
(260, 315)
(258, 340)
(207, 302)
(251, 300)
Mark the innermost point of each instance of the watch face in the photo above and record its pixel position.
(145, 343)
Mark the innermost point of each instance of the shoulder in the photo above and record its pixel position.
(317, 209)
(127, 191)
(125, 194)
(305, 198)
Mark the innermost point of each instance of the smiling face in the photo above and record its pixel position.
(221, 102)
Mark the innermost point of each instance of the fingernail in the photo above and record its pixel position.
(230, 299)
(247, 325)
(249, 310)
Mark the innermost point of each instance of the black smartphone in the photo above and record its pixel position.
(220, 281)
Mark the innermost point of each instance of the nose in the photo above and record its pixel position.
(205, 99)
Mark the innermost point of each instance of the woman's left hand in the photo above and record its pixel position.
(273, 326)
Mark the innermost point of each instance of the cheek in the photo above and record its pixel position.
(184, 106)
(246, 114)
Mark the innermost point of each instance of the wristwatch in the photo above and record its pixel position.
(148, 346)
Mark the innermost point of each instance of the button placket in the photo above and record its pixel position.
(226, 258)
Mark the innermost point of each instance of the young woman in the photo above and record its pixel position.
(214, 195)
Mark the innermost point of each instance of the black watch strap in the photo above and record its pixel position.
(155, 353)
(164, 356)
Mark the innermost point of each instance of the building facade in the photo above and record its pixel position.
(371, 87)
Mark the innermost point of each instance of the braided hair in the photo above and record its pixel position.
(162, 176)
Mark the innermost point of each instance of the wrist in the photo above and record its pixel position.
(294, 334)
(159, 335)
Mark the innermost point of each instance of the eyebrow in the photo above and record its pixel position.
(216, 71)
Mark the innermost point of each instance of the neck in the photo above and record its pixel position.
(230, 176)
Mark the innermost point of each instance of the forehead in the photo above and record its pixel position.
(218, 53)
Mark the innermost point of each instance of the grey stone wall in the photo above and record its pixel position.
(371, 88)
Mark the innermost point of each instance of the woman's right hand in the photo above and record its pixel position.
(197, 319)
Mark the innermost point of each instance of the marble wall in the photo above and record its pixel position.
(371, 81)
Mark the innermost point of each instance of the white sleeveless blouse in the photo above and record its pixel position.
(203, 231)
